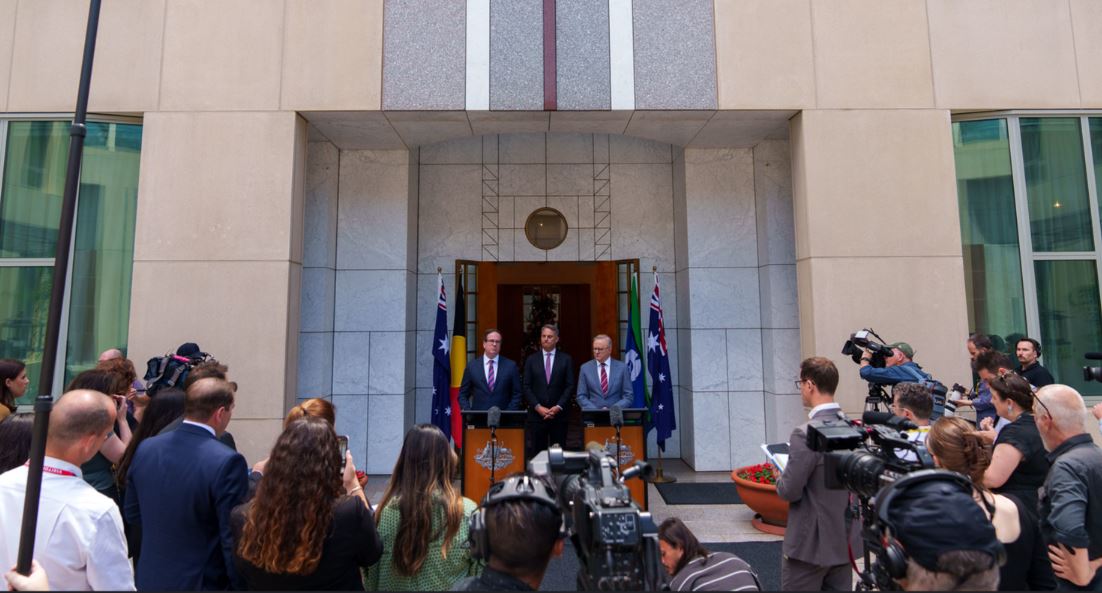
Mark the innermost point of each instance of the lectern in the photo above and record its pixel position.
(486, 459)
(631, 447)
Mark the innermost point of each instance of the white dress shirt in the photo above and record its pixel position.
(821, 407)
(79, 539)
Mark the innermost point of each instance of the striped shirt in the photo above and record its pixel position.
(720, 571)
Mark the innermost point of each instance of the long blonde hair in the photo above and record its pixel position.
(422, 477)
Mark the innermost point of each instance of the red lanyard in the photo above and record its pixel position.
(53, 470)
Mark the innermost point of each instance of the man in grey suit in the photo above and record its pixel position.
(815, 542)
(604, 382)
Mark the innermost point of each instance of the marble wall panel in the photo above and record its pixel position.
(352, 413)
(522, 149)
(675, 59)
(709, 360)
(570, 249)
(370, 301)
(318, 294)
(642, 197)
(427, 298)
(448, 216)
(567, 206)
(684, 357)
(711, 431)
(781, 364)
(516, 54)
(384, 432)
(424, 52)
(320, 216)
(351, 363)
(744, 360)
(373, 224)
(315, 364)
(680, 207)
(747, 412)
(569, 148)
(525, 251)
(782, 414)
(387, 363)
(779, 307)
(724, 297)
(668, 288)
(506, 213)
(569, 180)
(461, 151)
(582, 52)
(719, 197)
(686, 421)
(773, 194)
(523, 180)
(423, 405)
(424, 357)
(629, 150)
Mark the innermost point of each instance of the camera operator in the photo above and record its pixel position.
(522, 518)
(815, 543)
(946, 539)
(898, 368)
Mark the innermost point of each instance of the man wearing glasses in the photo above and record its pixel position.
(491, 380)
(604, 381)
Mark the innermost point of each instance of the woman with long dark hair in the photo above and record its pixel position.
(309, 526)
(693, 568)
(15, 440)
(100, 471)
(422, 519)
(13, 385)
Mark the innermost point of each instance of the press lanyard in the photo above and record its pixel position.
(53, 470)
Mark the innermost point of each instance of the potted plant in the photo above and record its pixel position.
(757, 486)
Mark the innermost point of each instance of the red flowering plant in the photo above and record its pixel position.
(762, 473)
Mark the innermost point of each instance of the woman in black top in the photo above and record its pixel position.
(309, 526)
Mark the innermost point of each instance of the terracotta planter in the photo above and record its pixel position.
(772, 511)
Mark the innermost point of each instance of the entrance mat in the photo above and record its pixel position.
(699, 493)
(763, 557)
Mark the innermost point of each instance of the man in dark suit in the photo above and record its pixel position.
(815, 545)
(604, 381)
(181, 488)
(491, 379)
(548, 386)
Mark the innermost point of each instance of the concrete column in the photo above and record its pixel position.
(218, 253)
(878, 238)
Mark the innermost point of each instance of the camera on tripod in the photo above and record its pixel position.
(616, 542)
(860, 341)
(864, 458)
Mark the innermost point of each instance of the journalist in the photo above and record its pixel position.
(693, 568)
(988, 364)
(898, 368)
(815, 544)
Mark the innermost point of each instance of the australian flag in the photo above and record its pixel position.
(441, 367)
(658, 363)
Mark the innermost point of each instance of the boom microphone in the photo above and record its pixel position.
(888, 419)
(493, 417)
(1093, 356)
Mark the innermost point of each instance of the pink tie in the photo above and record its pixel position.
(604, 380)
(490, 378)
(547, 368)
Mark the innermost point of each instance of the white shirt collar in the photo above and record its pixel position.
(486, 359)
(56, 463)
(606, 363)
(200, 424)
(552, 352)
(823, 407)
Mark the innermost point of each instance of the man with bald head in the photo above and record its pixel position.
(181, 487)
(1071, 499)
(79, 537)
(110, 354)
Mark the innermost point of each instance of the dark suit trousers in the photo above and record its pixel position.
(539, 434)
(797, 575)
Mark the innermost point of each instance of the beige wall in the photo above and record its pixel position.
(878, 238)
(218, 253)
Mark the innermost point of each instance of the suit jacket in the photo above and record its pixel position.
(181, 488)
(474, 391)
(619, 386)
(538, 391)
(816, 531)
(225, 437)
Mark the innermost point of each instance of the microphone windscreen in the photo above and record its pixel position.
(594, 446)
(871, 417)
(616, 415)
(493, 417)
(1093, 356)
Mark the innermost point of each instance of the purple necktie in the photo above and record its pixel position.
(604, 380)
(490, 377)
(547, 368)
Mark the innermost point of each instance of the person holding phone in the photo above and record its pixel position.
(99, 471)
(309, 526)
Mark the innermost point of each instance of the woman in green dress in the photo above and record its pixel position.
(423, 520)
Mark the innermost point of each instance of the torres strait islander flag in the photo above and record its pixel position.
(459, 360)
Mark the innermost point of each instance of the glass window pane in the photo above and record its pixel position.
(988, 227)
(34, 179)
(24, 306)
(1096, 149)
(1056, 184)
(1071, 319)
(103, 255)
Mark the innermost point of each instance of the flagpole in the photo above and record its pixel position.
(660, 476)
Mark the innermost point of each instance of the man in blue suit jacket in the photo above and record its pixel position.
(592, 391)
(477, 391)
(180, 489)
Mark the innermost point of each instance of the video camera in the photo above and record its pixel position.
(865, 457)
(616, 542)
(855, 347)
(1092, 373)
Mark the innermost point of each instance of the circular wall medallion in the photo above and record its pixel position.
(546, 228)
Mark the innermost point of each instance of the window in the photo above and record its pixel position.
(1028, 194)
(34, 155)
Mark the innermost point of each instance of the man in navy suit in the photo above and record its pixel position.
(181, 488)
(604, 381)
(490, 380)
(548, 386)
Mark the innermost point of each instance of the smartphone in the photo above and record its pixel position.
(342, 444)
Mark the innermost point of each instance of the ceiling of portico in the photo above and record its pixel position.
(395, 130)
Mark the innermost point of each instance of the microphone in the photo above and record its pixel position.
(641, 468)
(616, 416)
(493, 417)
(887, 419)
(1093, 356)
